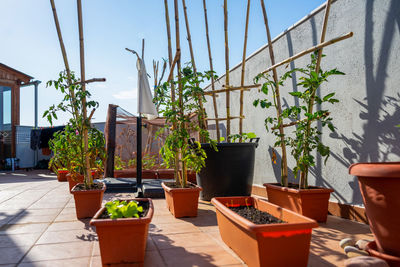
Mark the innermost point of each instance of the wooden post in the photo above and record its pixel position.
(110, 132)
(304, 174)
(88, 175)
(228, 111)
(284, 170)
(201, 118)
(243, 69)
(212, 70)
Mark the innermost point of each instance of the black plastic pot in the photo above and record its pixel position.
(228, 172)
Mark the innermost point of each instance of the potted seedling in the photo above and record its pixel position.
(122, 227)
(263, 234)
(88, 195)
(180, 151)
(311, 201)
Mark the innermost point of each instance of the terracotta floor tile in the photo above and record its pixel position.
(18, 240)
(183, 240)
(10, 229)
(12, 254)
(152, 259)
(200, 256)
(59, 251)
(25, 218)
(67, 214)
(78, 262)
(75, 225)
(174, 228)
(38, 212)
(80, 235)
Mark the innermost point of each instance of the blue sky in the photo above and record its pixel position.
(29, 42)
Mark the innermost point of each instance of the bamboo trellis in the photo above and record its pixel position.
(83, 81)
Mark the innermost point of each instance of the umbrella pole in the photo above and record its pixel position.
(139, 153)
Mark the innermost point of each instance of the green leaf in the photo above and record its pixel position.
(296, 94)
(328, 96)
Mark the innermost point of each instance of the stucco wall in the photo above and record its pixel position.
(369, 93)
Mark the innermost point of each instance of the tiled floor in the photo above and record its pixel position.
(38, 227)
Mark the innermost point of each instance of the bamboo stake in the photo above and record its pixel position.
(226, 90)
(228, 111)
(284, 169)
(304, 174)
(211, 69)
(310, 50)
(303, 120)
(180, 90)
(162, 72)
(88, 175)
(91, 81)
(64, 54)
(176, 167)
(171, 72)
(224, 119)
(243, 69)
(201, 118)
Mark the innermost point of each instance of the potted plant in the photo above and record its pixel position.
(86, 145)
(380, 185)
(180, 151)
(263, 234)
(235, 178)
(59, 161)
(311, 201)
(122, 228)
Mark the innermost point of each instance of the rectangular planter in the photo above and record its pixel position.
(312, 203)
(283, 244)
(123, 241)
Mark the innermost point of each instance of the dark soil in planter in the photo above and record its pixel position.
(94, 186)
(174, 185)
(144, 204)
(256, 216)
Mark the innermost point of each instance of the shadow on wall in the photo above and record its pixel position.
(380, 113)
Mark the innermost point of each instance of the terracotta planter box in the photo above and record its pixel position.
(123, 240)
(130, 173)
(74, 181)
(280, 244)
(87, 202)
(62, 175)
(380, 188)
(312, 203)
(182, 202)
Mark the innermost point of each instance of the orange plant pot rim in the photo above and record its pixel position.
(91, 191)
(299, 191)
(124, 221)
(373, 251)
(192, 189)
(376, 169)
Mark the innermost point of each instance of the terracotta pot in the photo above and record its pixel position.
(380, 188)
(312, 203)
(130, 173)
(372, 249)
(62, 175)
(123, 240)
(87, 202)
(182, 202)
(279, 244)
(169, 174)
(74, 181)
